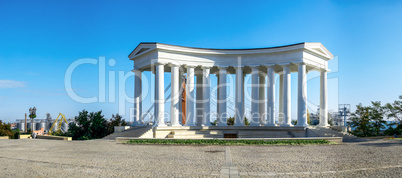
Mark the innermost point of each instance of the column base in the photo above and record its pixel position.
(206, 125)
(135, 124)
(222, 124)
(176, 125)
(302, 125)
(286, 125)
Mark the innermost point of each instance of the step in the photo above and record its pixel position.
(187, 132)
(132, 132)
(194, 136)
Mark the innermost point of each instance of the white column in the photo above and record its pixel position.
(160, 95)
(255, 115)
(198, 103)
(222, 114)
(137, 98)
(155, 99)
(190, 97)
(323, 99)
(180, 96)
(261, 99)
(280, 114)
(302, 96)
(239, 118)
(271, 96)
(286, 97)
(206, 93)
(175, 96)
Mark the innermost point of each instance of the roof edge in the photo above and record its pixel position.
(218, 49)
(231, 48)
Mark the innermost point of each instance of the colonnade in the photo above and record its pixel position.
(262, 107)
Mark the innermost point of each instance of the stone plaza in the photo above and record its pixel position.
(105, 158)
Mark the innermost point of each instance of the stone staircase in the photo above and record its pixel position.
(139, 132)
(328, 132)
(200, 133)
(195, 134)
(265, 134)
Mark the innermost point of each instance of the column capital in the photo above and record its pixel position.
(324, 70)
(189, 66)
(254, 66)
(255, 70)
(269, 66)
(220, 68)
(173, 65)
(286, 65)
(135, 70)
(158, 63)
(206, 67)
(301, 63)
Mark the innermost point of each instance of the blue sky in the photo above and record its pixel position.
(40, 40)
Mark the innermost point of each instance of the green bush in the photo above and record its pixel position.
(231, 120)
(5, 130)
(60, 133)
(16, 134)
(88, 126)
(116, 120)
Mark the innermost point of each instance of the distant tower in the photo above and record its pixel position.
(25, 122)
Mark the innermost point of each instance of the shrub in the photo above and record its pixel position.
(116, 120)
(5, 130)
(88, 126)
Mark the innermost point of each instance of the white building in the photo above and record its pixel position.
(261, 63)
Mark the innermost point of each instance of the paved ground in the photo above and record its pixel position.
(105, 158)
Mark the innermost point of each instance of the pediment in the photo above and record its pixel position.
(142, 48)
(319, 49)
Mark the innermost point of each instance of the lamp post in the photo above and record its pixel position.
(32, 115)
(344, 110)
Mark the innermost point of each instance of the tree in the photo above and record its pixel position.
(360, 121)
(377, 117)
(5, 130)
(394, 110)
(116, 120)
(98, 125)
(393, 129)
(88, 126)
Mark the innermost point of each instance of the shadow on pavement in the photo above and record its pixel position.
(385, 143)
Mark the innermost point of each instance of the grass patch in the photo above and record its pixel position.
(391, 138)
(227, 142)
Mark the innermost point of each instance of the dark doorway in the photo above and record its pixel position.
(230, 136)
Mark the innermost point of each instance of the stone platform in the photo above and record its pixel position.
(186, 132)
(240, 132)
(200, 132)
